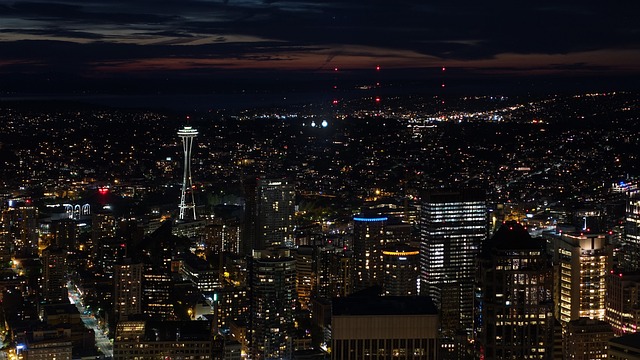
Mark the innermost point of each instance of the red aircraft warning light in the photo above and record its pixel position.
(377, 99)
(103, 190)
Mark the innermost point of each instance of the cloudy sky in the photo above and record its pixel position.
(156, 38)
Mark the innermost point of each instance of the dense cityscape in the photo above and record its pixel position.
(373, 227)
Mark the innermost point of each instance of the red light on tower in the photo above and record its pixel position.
(335, 102)
(103, 190)
(377, 99)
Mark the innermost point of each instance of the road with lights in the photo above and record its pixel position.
(102, 341)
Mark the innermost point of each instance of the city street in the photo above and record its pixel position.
(102, 342)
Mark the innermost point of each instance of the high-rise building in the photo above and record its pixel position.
(187, 203)
(249, 226)
(22, 221)
(368, 241)
(452, 227)
(514, 301)
(275, 210)
(103, 224)
(587, 339)
(269, 211)
(384, 327)
(6, 240)
(306, 269)
(156, 291)
(231, 304)
(108, 252)
(54, 272)
(65, 233)
(401, 263)
(630, 249)
(127, 294)
(223, 235)
(273, 301)
(623, 302)
(582, 262)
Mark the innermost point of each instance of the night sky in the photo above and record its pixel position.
(169, 40)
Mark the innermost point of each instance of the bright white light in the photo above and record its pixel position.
(325, 123)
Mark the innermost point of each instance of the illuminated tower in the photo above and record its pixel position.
(583, 263)
(401, 263)
(127, 295)
(630, 259)
(368, 241)
(452, 227)
(273, 298)
(275, 207)
(187, 134)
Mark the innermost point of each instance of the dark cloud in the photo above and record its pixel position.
(55, 32)
(115, 33)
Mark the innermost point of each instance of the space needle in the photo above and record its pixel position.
(187, 203)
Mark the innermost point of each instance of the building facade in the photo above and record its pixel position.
(54, 274)
(387, 327)
(368, 241)
(275, 210)
(514, 301)
(401, 263)
(127, 294)
(623, 302)
(587, 339)
(273, 302)
(452, 227)
(135, 340)
(582, 262)
(630, 249)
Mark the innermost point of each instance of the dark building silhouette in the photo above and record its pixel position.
(54, 276)
(514, 302)
(366, 326)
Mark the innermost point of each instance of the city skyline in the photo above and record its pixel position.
(411, 180)
(300, 212)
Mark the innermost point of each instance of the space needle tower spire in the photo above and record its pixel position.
(187, 204)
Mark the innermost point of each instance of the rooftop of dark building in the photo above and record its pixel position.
(512, 236)
(383, 305)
